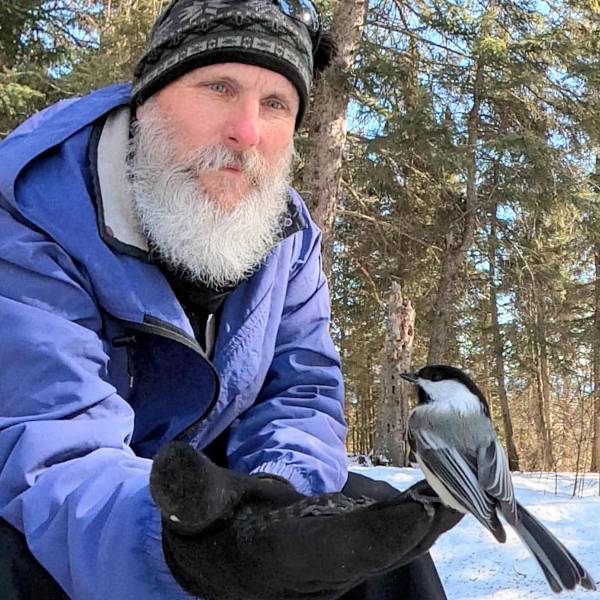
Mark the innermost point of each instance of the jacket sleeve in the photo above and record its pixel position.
(68, 479)
(296, 428)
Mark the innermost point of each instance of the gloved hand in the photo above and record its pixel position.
(231, 536)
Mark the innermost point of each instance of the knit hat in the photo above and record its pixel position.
(196, 33)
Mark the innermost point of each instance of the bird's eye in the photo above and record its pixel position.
(436, 377)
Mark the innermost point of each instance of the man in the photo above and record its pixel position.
(160, 282)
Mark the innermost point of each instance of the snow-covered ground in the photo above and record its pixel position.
(473, 566)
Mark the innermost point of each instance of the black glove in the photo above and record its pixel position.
(231, 536)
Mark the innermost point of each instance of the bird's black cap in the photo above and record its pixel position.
(446, 372)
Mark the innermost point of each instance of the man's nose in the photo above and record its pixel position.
(242, 130)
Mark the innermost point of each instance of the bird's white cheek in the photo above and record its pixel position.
(452, 395)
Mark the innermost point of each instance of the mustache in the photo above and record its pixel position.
(218, 156)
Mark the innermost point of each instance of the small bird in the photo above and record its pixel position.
(453, 439)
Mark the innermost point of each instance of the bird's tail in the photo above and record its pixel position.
(561, 568)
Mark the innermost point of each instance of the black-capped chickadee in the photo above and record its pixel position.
(453, 439)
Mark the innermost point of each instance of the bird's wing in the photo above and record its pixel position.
(494, 476)
(457, 472)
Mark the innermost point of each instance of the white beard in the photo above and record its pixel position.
(185, 223)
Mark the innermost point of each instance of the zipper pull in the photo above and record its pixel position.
(210, 334)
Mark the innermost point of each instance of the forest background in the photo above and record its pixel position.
(452, 160)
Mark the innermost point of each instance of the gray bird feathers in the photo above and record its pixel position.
(453, 439)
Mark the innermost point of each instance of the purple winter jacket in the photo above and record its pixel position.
(99, 367)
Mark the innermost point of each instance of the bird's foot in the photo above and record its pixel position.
(422, 493)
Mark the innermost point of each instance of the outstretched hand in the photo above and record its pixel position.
(231, 536)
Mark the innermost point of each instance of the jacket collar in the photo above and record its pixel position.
(118, 224)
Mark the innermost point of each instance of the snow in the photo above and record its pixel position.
(473, 566)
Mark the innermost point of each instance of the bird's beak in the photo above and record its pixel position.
(409, 377)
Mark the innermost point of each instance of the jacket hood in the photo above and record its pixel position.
(51, 127)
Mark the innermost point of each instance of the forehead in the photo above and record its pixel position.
(250, 76)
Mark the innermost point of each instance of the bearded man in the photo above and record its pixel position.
(171, 402)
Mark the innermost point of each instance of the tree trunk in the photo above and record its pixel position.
(392, 410)
(498, 346)
(457, 250)
(542, 399)
(596, 342)
(544, 363)
(321, 175)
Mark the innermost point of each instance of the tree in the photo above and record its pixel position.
(498, 346)
(326, 131)
(40, 40)
(393, 407)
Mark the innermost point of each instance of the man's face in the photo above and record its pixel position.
(209, 167)
(249, 110)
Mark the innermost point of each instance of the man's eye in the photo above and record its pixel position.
(220, 88)
(276, 104)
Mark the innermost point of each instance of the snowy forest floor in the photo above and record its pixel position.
(473, 566)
